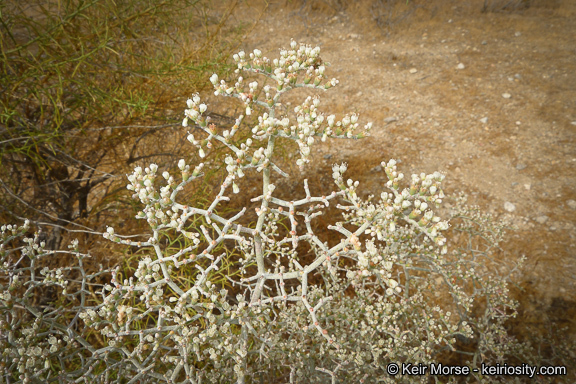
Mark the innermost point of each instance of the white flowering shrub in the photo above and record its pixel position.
(269, 300)
(42, 342)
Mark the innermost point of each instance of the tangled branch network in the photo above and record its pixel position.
(270, 298)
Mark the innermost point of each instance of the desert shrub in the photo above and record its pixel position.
(270, 299)
(86, 91)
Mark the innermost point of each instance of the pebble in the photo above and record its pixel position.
(573, 123)
(460, 66)
(389, 120)
(506, 95)
(520, 166)
(377, 168)
(327, 157)
(527, 186)
(541, 219)
(413, 70)
(484, 42)
(484, 120)
(571, 204)
(509, 206)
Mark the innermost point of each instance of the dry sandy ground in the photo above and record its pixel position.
(488, 98)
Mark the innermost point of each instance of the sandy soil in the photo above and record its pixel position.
(488, 98)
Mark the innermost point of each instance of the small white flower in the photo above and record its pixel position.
(202, 108)
(214, 79)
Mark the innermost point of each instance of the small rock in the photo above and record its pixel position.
(527, 186)
(327, 157)
(413, 70)
(389, 120)
(514, 184)
(377, 168)
(484, 42)
(541, 219)
(484, 120)
(518, 34)
(506, 95)
(573, 123)
(571, 204)
(509, 206)
(460, 66)
(520, 166)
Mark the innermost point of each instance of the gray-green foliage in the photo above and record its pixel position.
(386, 286)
